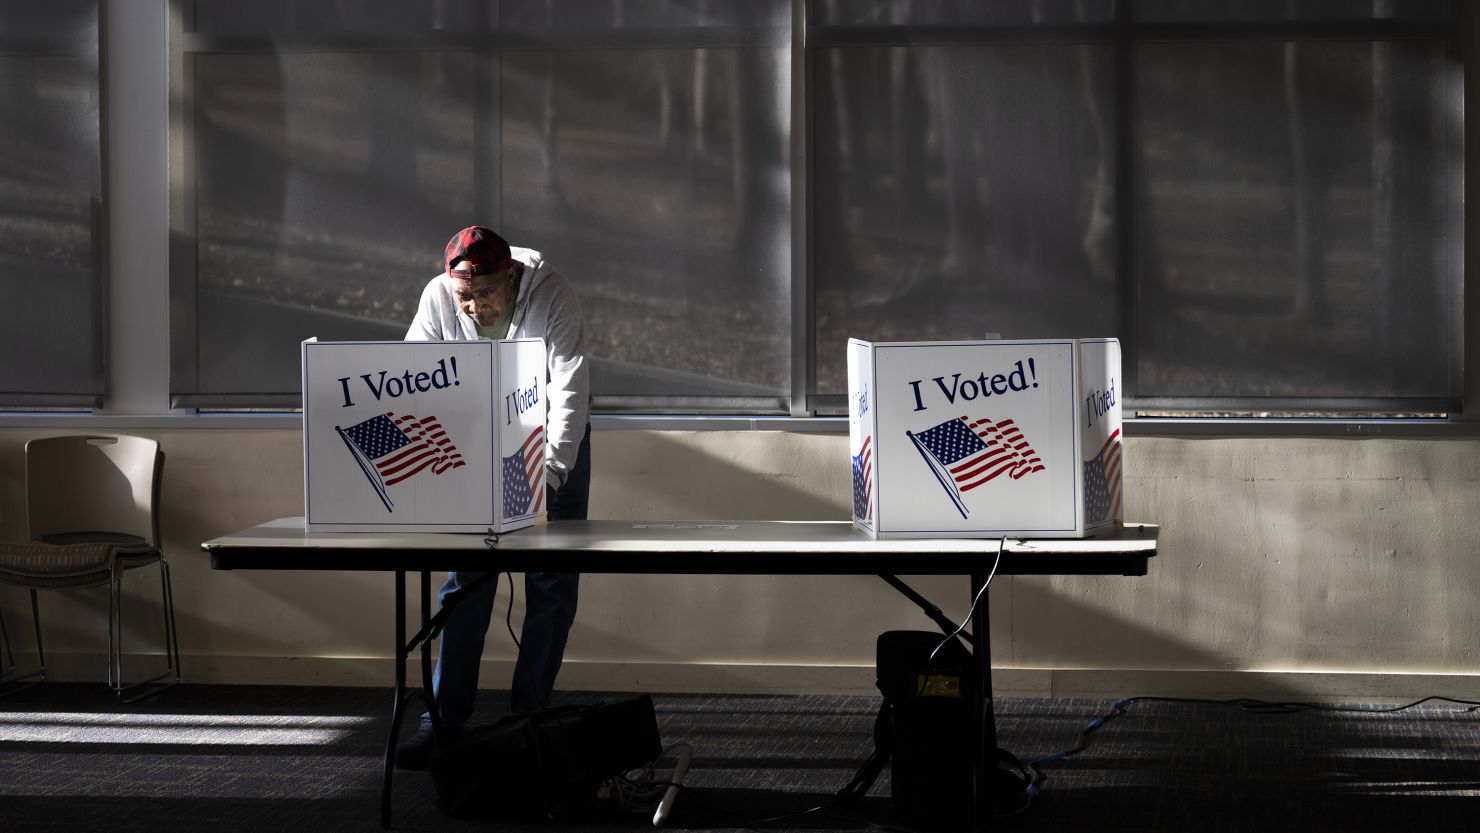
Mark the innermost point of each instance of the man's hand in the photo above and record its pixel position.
(549, 500)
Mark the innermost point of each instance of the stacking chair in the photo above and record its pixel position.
(92, 506)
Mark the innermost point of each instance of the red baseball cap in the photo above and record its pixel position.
(485, 250)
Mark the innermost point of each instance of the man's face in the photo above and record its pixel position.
(482, 297)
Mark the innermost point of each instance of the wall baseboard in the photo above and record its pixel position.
(742, 678)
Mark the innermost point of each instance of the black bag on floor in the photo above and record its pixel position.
(925, 728)
(546, 763)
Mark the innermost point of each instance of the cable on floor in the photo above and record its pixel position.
(1248, 704)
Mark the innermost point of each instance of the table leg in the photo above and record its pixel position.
(946, 625)
(426, 658)
(403, 697)
(984, 753)
(396, 712)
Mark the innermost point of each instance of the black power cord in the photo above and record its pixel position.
(490, 540)
(1248, 704)
(970, 612)
(519, 659)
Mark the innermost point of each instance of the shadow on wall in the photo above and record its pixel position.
(1040, 622)
(697, 475)
(1075, 623)
(1258, 569)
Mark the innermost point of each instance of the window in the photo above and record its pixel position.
(961, 191)
(330, 150)
(1261, 200)
(52, 325)
(1293, 231)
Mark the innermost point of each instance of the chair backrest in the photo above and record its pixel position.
(81, 488)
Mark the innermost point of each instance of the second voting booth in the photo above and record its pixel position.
(975, 439)
(423, 436)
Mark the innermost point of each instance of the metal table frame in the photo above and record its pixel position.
(686, 548)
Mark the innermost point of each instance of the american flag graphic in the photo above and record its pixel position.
(524, 476)
(964, 455)
(391, 448)
(1102, 482)
(863, 469)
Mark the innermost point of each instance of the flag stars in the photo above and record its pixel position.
(517, 494)
(378, 436)
(951, 441)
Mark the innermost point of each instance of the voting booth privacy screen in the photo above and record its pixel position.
(423, 436)
(974, 439)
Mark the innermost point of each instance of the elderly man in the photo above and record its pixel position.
(492, 291)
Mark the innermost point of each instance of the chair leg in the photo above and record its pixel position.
(12, 684)
(36, 622)
(6, 666)
(172, 638)
(151, 686)
(115, 620)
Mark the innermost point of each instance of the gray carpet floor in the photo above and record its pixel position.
(278, 758)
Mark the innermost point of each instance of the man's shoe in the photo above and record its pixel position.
(415, 752)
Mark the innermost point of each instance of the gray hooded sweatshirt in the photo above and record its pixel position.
(546, 308)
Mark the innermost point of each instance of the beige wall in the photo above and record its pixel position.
(1319, 567)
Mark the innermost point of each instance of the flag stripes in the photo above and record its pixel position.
(1007, 452)
(964, 455)
(524, 476)
(534, 464)
(429, 447)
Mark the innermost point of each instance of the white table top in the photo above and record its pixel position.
(679, 536)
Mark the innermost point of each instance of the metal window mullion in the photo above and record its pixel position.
(946, 34)
(1124, 44)
(1425, 406)
(1465, 300)
(504, 40)
(100, 387)
(184, 315)
(803, 327)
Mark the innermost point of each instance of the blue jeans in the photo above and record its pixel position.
(550, 608)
